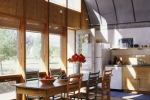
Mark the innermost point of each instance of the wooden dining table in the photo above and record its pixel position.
(36, 88)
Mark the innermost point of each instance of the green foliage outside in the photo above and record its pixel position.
(8, 44)
(8, 47)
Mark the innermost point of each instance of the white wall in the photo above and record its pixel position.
(140, 36)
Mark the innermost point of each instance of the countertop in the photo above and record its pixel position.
(146, 65)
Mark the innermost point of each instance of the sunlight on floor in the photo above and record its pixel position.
(132, 96)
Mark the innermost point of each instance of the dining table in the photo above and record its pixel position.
(37, 89)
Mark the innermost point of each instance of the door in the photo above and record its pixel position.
(85, 44)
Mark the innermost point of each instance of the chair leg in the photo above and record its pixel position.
(108, 95)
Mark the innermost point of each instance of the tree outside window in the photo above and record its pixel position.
(8, 51)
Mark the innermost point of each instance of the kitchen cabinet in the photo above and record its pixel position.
(129, 78)
(136, 78)
(143, 78)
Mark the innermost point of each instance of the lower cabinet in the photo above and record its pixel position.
(143, 83)
(129, 78)
(136, 78)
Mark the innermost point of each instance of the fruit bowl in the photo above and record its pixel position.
(47, 81)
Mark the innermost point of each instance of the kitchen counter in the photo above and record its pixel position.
(146, 65)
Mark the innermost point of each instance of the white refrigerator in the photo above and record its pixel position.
(101, 58)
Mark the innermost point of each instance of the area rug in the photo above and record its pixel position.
(120, 94)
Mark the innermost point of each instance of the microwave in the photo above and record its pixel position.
(128, 41)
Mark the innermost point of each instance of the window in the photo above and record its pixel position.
(8, 51)
(59, 2)
(33, 51)
(54, 50)
(75, 5)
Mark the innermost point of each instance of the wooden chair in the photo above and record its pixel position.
(91, 89)
(104, 90)
(32, 76)
(56, 73)
(73, 87)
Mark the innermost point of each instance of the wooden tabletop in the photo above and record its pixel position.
(36, 88)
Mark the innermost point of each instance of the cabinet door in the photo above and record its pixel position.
(129, 81)
(143, 71)
(143, 83)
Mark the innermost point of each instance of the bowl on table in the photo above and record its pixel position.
(47, 81)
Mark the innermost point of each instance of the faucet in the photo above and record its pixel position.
(141, 62)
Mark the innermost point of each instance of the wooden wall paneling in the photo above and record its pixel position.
(84, 16)
(11, 7)
(36, 10)
(73, 19)
(19, 8)
(57, 14)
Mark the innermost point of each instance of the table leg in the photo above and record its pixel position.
(19, 96)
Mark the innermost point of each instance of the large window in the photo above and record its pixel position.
(54, 49)
(75, 5)
(59, 2)
(8, 51)
(33, 51)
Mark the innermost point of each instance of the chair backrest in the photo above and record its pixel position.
(73, 86)
(31, 76)
(106, 79)
(92, 84)
(56, 73)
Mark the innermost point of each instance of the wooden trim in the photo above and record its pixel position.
(36, 21)
(11, 16)
(22, 44)
(16, 77)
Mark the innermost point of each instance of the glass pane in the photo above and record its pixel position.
(33, 51)
(75, 5)
(7, 91)
(54, 49)
(59, 2)
(8, 51)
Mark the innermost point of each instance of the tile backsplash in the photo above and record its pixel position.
(133, 59)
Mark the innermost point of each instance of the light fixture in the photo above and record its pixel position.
(61, 11)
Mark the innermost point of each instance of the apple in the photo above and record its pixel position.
(49, 77)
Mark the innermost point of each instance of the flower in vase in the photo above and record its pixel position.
(77, 58)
